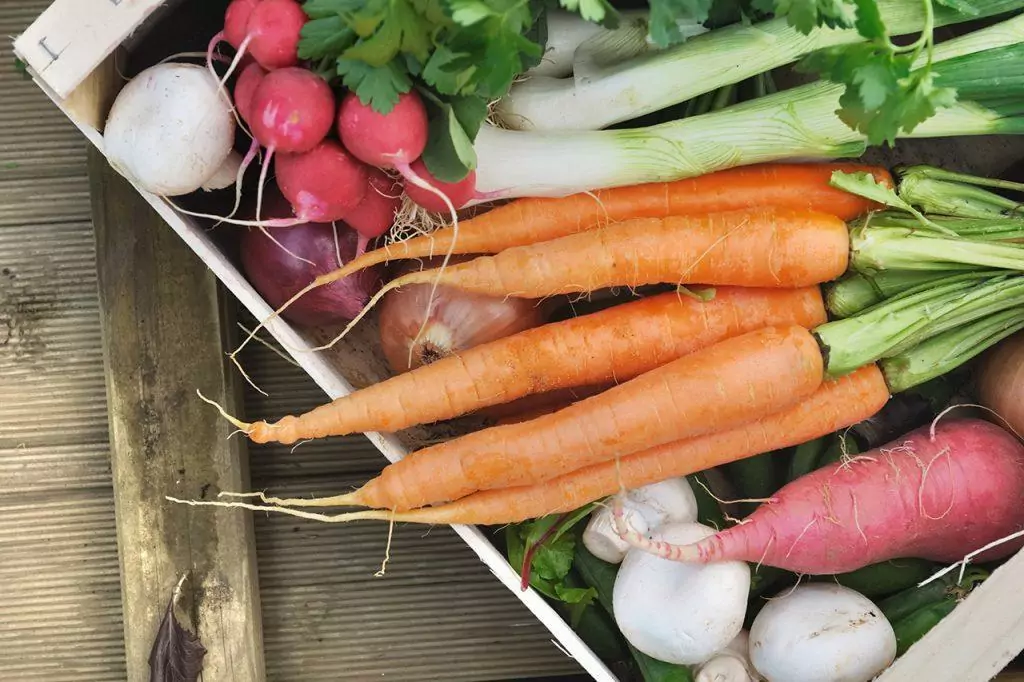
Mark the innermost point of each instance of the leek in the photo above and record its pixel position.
(570, 37)
(797, 123)
(725, 56)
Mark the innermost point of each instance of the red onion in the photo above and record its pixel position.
(278, 275)
(458, 320)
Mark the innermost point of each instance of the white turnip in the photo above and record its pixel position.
(171, 131)
(680, 613)
(821, 633)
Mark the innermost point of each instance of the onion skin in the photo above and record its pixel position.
(459, 320)
(1001, 381)
(278, 276)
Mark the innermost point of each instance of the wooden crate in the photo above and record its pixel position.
(70, 52)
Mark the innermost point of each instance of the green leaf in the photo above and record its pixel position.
(378, 87)
(578, 597)
(553, 560)
(961, 6)
(470, 112)
(663, 29)
(597, 11)
(322, 9)
(326, 37)
(448, 71)
(869, 20)
(449, 155)
(469, 12)
(399, 28)
(865, 185)
(806, 15)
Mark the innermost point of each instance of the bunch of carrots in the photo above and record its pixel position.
(674, 383)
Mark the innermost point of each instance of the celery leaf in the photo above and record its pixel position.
(806, 15)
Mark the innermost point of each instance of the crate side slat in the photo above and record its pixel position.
(71, 38)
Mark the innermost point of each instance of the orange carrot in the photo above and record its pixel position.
(751, 248)
(614, 344)
(530, 221)
(725, 385)
(835, 405)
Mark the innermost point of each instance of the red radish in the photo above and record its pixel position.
(938, 493)
(460, 193)
(375, 214)
(236, 21)
(245, 87)
(392, 140)
(292, 110)
(269, 30)
(322, 184)
(273, 32)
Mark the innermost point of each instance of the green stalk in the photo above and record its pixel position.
(856, 292)
(879, 247)
(862, 339)
(954, 199)
(990, 228)
(949, 350)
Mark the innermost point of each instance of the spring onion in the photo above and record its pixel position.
(648, 83)
(796, 123)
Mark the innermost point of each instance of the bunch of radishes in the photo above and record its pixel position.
(292, 113)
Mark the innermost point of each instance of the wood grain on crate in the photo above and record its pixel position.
(163, 340)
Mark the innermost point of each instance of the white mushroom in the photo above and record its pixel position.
(677, 612)
(646, 508)
(171, 130)
(821, 632)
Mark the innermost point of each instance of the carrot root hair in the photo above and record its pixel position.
(369, 514)
(245, 427)
(333, 501)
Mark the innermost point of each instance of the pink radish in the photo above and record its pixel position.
(269, 30)
(245, 87)
(460, 193)
(236, 21)
(939, 493)
(323, 184)
(291, 111)
(375, 214)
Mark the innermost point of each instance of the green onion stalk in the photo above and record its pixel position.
(599, 96)
(983, 66)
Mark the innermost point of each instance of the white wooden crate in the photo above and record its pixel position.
(69, 53)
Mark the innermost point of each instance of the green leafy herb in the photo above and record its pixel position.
(378, 86)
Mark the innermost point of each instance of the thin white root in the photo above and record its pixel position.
(334, 501)
(326, 518)
(412, 220)
(237, 423)
(238, 59)
(967, 558)
(387, 549)
(800, 537)
(1006, 424)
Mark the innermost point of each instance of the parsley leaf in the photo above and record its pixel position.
(597, 11)
(664, 31)
(399, 28)
(325, 37)
(806, 15)
(378, 86)
(323, 9)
